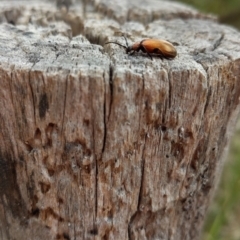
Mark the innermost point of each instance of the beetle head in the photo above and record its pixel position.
(128, 49)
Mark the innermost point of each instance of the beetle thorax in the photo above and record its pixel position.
(136, 46)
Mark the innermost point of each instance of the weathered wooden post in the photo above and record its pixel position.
(96, 144)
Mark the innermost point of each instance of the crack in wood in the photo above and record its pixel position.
(218, 42)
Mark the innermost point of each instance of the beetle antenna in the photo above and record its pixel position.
(125, 40)
(117, 44)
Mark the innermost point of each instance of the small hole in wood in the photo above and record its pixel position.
(94, 231)
(163, 128)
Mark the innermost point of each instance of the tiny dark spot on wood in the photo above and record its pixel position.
(146, 104)
(87, 169)
(167, 156)
(27, 33)
(94, 231)
(34, 57)
(86, 122)
(35, 212)
(206, 188)
(45, 160)
(186, 204)
(44, 187)
(50, 127)
(51, 172)
(183, 165)
(43, 105)
(21, 159)
(88, 152)
(49, 130)
(110, 214)
(62, 236)
(66, 236)
(163, 128)
(28, 146)
(177, 150)
(34, 202)
(105, 237)
(11, 22)
(158, 105)
(60, 200)
(199, 154)
(37, 134)
(188, 134)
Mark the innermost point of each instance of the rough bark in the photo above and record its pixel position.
(96, 144)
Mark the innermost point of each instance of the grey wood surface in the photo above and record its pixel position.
(97, 144)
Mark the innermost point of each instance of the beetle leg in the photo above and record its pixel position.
(159, 53)
(145, 50)
(160, 56)
(132, 52)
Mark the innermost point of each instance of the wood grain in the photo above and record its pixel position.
(97, 144)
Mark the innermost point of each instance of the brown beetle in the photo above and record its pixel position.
(161, 48)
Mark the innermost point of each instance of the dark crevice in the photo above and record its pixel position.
(129, 225)
(96, 192)
(105, 126)
(143, 161)
(163, 128)
(141, 99)
(218, 42)
(64, 4)
(33, 100)
(106, 118)
(139, 200)
(140, 192)
(10, 87)
(142, 179)
(169, 91)
(96, 161)
(209, 90)
(167, 105)
(94, 150)
(64, 105)
(43, 105)
(208, 99)
(104, 122)
(227, 56)
(111, 89)
(94, 231)
(142, 168)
